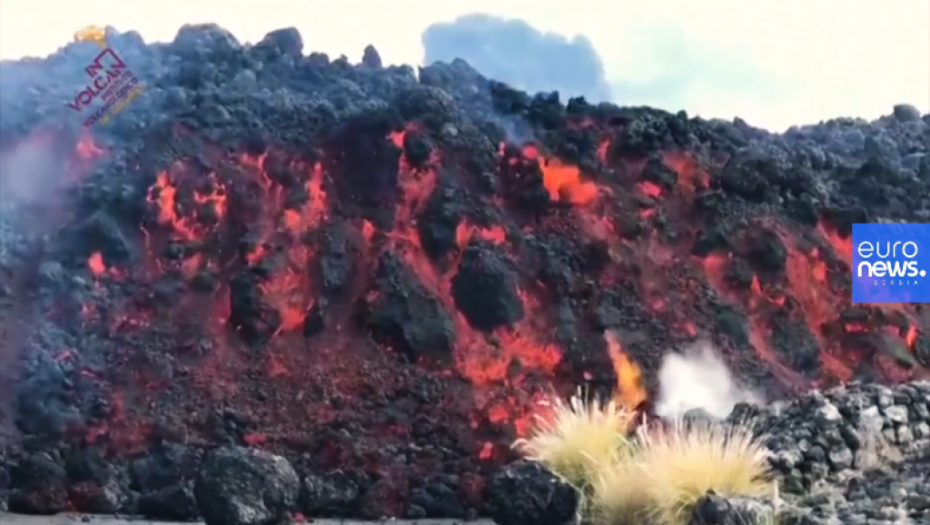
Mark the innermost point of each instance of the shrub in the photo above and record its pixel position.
(655, 475)
(619, 496)
(677, 465)
(579, 439)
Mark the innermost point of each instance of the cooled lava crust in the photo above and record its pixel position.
(382, 292)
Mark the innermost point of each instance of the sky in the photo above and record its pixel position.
(773, 63)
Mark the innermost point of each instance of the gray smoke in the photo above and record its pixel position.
(29, 171)
(514, 52)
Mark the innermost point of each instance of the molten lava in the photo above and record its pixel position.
(383, 305)
(631, 392)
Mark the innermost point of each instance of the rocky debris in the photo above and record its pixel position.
(40, 486)
(244, 486)
(333, 494)
(173, 503)
(438, 496)
(856, 454)
(526, 493)
(712, 509)
(823, 435)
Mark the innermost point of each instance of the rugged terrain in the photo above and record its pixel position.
(376, 273)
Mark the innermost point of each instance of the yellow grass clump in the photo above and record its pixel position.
(650, 476)
(672, 467)
(579, 438)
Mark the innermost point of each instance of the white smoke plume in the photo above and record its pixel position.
(29, 171)
(699, 379)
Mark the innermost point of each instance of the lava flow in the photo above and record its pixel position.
(391, 301)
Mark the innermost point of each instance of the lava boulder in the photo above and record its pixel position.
(176, 502)
(657, 172)
(406, 315)
(526, 493)
(766, 251)
(485, 288)
(331, 495)
(245, 486)
(39, 486)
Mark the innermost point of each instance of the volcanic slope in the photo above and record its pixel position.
(378, 274)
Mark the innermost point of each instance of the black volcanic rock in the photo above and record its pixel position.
(242, 486)
(485, 288)
(525, 493)
(39, 486)
(175, 503)
(406, 315)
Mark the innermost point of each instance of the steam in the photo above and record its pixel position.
(27, 172)
(699, 379)
(515, 52)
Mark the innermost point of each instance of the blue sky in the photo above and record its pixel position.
(772, 63)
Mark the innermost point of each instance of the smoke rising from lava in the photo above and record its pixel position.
(514, 52)
(699, 379)
(26, 172)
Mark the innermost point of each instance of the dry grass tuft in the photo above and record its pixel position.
(653, 477)
(680, 464)
(579, 439)
(619, 496)
(669, 469)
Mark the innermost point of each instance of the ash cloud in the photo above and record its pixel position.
(699, 379)
(512, 51)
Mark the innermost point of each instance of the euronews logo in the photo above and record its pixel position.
(890, 263)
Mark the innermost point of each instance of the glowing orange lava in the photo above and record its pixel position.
(631, 392)
(563, 181)
(96, 265)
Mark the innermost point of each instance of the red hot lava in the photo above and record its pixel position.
(412, 325)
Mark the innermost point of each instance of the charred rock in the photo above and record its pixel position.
(485, 288)
(249, 312)
(364, 165)
(745, 177)
(405, 315)
(162, 467)
(315, 322)
(93, 498)
(437, 496)
(371, 58)
(334, 494)
(525, 493)
(286, 42)
(101, 233)
(175, 502)
(440, 219)
(658, 173)
(710, 241)
(417, 148)
(712, 509)
(39, 486)
(242, 486)
(338, 259)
